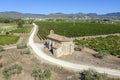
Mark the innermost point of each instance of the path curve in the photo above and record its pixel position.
(77, 67)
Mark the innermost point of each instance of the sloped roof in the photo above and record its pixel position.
(59, 38)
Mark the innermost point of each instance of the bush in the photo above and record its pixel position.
(21, 46)
(79, 48)
(92, 75)
(7, 33)
(25, 51)
(1, 49)
(47, 74)
(39, 74)
(14, 69)
(102, 54)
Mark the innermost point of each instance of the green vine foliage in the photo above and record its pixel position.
(107, 45)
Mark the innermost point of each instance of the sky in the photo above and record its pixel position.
(62, 6)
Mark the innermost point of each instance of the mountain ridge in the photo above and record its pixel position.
(13, 14)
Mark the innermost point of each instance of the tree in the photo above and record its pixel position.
(20, 23)
(30, 21)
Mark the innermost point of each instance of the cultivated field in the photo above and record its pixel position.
(111, 44)
(26, 29)
(76, 29)
(8, 39)
(11, 28)
(7, 27)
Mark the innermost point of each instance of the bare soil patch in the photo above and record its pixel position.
(30, 62)
(86, 57)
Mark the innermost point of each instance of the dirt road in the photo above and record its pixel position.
(38, 49)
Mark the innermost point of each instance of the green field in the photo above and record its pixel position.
(77, 29)
(111, 44)
(25, 29)
(8, 39)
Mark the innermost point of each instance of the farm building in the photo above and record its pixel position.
(59, 45)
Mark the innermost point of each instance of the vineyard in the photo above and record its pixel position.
(8, 39)
(111, 44)
(25, 29)
(7, 27)
(76, 29)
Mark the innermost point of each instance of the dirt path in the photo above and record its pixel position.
(38, 49)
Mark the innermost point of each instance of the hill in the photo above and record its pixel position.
(84, 16)
(13, 14)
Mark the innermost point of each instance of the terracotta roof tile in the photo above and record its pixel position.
(58, 37)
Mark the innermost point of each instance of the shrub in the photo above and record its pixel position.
(39, 74)
(21, 46)
(101, 54)
(25, 51)
(92, 75)
(13, 69)
(7, 33)
(79, 47)
(47, 74)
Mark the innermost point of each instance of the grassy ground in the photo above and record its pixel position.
(7, 27)
(8, 39)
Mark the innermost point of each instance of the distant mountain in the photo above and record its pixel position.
(62, 15)
(13, 14)
(117, 14)
(84, 16)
